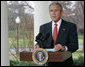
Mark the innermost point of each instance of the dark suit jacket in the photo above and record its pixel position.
(67, 35)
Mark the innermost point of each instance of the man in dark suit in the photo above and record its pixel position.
(63, 34)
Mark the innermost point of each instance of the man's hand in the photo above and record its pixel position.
(36, 47)
(59, 47)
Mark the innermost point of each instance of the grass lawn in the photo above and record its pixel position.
(22, 42)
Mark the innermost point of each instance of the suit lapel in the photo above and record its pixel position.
(50, 29)
(61, 32)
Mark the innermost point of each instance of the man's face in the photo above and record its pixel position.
(55, 12)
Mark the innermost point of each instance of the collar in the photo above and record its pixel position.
(58, 23)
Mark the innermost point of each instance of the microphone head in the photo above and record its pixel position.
(42, 38)
(38, 36)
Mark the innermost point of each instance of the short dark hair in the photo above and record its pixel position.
(56, 3)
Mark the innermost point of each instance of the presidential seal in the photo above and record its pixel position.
(40, 56)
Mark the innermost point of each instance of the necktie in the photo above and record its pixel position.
(55, 34)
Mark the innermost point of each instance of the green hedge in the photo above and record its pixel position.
(78, 58)
(22, 63)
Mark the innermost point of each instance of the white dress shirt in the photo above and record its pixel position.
(58, 27)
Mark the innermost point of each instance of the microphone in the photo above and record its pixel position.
(42, 39)
(38, 37)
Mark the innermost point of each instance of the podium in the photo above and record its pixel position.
(52, 56)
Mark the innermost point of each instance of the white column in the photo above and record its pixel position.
(41, 14)
(4, 35)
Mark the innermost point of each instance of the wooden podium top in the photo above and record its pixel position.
(52, 56)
